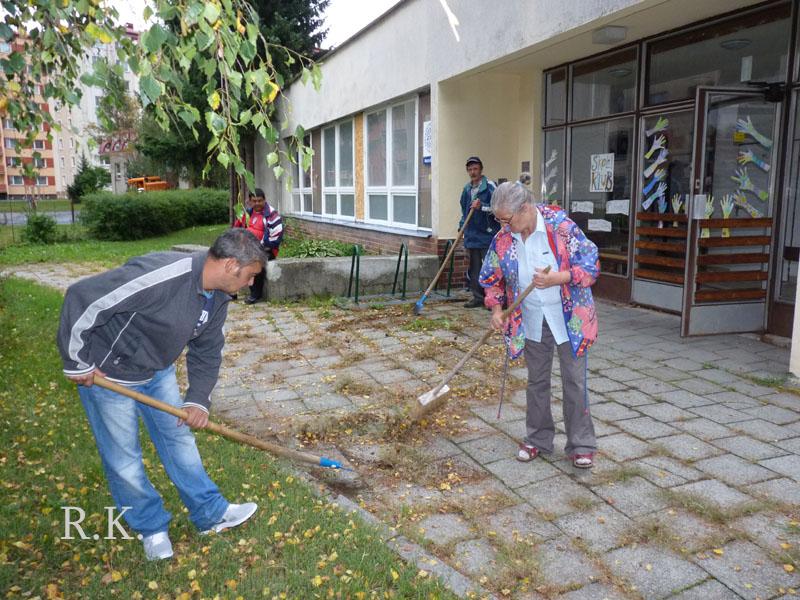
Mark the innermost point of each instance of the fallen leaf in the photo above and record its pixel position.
(788, 568)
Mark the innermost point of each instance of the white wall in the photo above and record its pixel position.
(794, 358)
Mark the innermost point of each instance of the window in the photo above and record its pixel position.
(8, 124)
(556, 97)
(39, 163)
(391, 147)
(750, 47)
(15, 180)
(338, 193)
(38, 144)
(553, 172)
(604, 86)
(13, 161)
(603, 215)
(62, 161)
(10, 143)
(302, 199)
(41, 180)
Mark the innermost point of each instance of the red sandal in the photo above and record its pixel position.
(583, 461)
(527, 453)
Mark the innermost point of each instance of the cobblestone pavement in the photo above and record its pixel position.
(695, 494)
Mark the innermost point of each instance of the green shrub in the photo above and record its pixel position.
(135, 216)
(40, 229)
(319, 248)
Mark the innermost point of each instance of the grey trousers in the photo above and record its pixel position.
(539, 418)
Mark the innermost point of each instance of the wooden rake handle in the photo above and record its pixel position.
(450, 252)
(222, 430)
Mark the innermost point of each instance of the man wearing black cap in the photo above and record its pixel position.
(482, 226)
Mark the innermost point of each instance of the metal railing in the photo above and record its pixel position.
(403, 253)
(355, 265)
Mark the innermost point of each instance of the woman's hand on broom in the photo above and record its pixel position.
(499, 320)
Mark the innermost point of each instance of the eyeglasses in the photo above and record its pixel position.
(511, 218)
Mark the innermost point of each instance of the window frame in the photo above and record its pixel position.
(306, 187)
(46, 181)
(12, 180)
(390, 190)
(338, 188)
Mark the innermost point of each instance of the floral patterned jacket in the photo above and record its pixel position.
(574, 253)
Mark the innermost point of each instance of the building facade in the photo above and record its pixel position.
(78, 124)
(14, 184)
(669, 131)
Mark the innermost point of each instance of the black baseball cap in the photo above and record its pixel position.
(474, 159)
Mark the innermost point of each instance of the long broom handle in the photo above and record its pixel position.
(450, 252)
(506, 313)
(222, 430)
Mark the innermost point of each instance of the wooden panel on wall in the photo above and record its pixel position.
(424, 179)
(359, 174)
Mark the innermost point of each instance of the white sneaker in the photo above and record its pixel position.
(157, 546)
(236, 514)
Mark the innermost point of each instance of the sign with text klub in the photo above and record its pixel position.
(602, 173)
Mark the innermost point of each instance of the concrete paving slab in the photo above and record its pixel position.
(654, 573)
(684, 531)
(490, 448)
(622, 374)
(720, 414)
(779, 490)
(621, 447)
(749, 448)
(651, 386)
(774, 414)
(733, 470)
(646, 428)
(599, 527)
(708, 590)
(475, 557)
(785, 465)
(521, 523)
(684, 398)
(563, 566)
(688, 447)
(444, 529)
(634, 497)
(611, 411)
(558, 495)
(665, 412)
(604, 384)
(632, 398)
(594, 591)
(715, 492)
(672, 468)
(764, 430)
(699, 386)
(748, 571)
(704, 429)
(516, 474)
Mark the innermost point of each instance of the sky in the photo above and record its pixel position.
(343, 18)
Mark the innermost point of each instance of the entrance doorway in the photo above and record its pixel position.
(731, 214)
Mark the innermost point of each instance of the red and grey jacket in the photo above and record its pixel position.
(271, 225)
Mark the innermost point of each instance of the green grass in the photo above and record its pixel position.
(41, 205)
(296, 544)
(106, 253)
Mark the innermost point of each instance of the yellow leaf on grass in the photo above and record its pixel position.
(395, 576)
(788, 568)
(317, 581)
(192, 574)
(152, 585)
(116, 575)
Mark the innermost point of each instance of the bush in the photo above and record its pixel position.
(88, 180)
(40, 229)
(321, 248)
(135, 216)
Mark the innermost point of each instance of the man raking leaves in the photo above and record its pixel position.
(130, 325)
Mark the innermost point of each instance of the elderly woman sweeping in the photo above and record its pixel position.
(559, 313)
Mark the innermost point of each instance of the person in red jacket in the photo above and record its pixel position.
(264, 222)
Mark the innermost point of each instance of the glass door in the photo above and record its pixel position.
(730, 215)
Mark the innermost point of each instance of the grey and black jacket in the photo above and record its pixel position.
(135, 320)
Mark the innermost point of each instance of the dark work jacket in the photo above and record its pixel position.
(482, 226)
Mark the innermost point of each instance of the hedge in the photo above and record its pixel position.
(135, 216)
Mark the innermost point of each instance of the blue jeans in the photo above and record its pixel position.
(115, 422)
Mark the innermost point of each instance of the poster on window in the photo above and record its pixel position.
(427, 142)
(602, 173)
